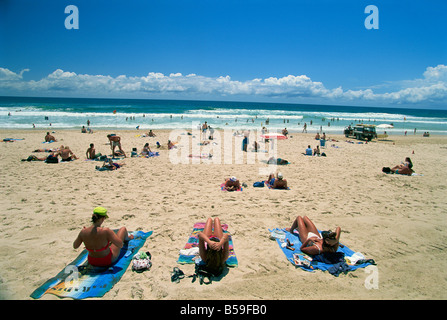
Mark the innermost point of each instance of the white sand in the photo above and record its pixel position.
(399, 221)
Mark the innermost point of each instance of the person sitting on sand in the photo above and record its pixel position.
(313, 242)
(91, 152)
(232, 184)
(404, 168)
(317, 151)
(171, 145)
(146, 149)
(49, 138)
(317, 136)
(115, 141)
(214, 248)
(103, 245)
(66, 154)
(151, 134)
(277, 183)
(308, 151)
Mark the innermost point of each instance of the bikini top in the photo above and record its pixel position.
(98, 250)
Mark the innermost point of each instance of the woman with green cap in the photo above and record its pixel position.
(103, 244)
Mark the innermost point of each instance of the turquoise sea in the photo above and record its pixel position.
(59, 113)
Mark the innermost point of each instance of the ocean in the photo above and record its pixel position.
(115, 114)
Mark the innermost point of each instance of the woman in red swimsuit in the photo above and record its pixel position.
(103, 244)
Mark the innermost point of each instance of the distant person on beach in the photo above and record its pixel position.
(314, 243)
(317, 151)
(115, 141)
(103, 244)
(171, 145)
(308, 151)
(151, 134)
(405, 167)
(47, 150)
(317, 136)
(146, 149)
(83, 130)
(34, 158)
(109, 164)
(66, 154)
(232, 184)
(49, 138)
(214, 246)
(277, 183)
(91, 152)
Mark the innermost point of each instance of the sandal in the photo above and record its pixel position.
(176, 275)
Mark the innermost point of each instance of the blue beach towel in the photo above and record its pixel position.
(317, 265)
(91, 281)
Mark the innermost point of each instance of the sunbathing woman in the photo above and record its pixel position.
(313, 242)
(404, 168)
(214, 247)
(103, 244)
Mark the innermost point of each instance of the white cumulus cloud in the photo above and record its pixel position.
(432, 86)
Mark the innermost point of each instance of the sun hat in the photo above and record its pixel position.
(233, 178)
(280, 175)
(100, 211)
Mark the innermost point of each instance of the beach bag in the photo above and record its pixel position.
(141, 261)
(52, 159)
(258, 184)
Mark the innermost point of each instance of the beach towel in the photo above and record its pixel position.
(91, 281)
(12, 139)
(270, 186)
(149, 155)
(189, 253)
(333, 268)
(222, 187)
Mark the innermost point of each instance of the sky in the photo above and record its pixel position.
(310, 51)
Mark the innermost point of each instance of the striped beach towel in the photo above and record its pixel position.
(193, 242)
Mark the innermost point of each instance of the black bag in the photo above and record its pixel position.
(52, 159)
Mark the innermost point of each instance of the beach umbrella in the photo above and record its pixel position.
(277, 136)
(385, 126)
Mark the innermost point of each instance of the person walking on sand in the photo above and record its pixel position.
(103, 244)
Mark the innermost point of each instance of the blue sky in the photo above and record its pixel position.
(254, 50)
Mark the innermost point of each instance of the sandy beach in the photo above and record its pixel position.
(399, 221)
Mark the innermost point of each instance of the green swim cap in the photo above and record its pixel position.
(100, 211)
